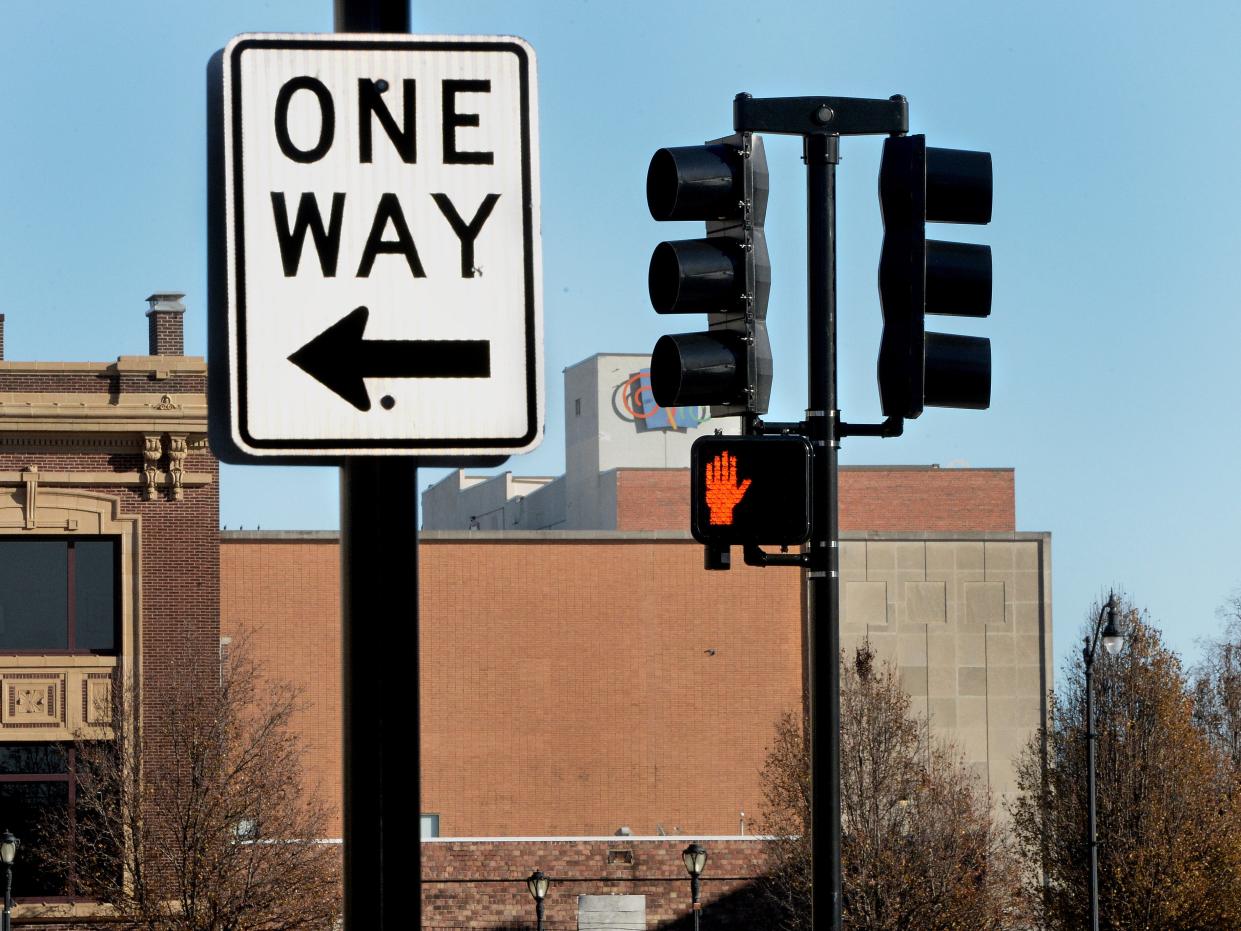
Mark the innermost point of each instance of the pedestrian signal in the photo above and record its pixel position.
(750, 490)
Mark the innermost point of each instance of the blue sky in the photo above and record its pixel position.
(1116, 231)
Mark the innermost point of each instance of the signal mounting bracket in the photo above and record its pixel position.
(810, 116)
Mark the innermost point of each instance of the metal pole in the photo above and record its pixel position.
(1091, 829)
(379, 625)
(694, 889)
(8, 896)
(821, 154)
(379, 601)
(372, 15)
(538, 914)
(379, 591)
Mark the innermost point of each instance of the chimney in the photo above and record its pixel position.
(166, 327)
(1, 337)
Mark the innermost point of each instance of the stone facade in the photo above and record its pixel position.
(112, 451)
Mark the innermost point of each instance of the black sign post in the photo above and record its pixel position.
(379, 646)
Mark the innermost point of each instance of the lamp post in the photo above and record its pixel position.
(8, 853)
(537, 884)
(695, 858)
(1113, 640)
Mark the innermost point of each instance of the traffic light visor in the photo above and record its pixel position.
(697, 182)
(958, 186)
(958, 278)
(696, 276)
(697, 368)
(958, 371)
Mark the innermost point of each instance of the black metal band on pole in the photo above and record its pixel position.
(821, 153)
(379, 645)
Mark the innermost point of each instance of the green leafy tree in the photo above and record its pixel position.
(919, 846)
(1170, 835)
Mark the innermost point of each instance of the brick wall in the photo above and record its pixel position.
(482, 883)
(283, 598)
(871, 498)
(568, 686)
(177, 547)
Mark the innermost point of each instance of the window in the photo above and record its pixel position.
(34, 781)
(58, 596)
(430, 825)
(37, 782)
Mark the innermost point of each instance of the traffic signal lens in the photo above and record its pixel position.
(697, 368)
(958, 371)
(698, 182)
(695, 275)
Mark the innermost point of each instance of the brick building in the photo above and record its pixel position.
(581, 675)
(109, 561)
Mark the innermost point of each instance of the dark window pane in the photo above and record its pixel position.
(28, 808)
(33, 589)
(94, 595)
(32, 759)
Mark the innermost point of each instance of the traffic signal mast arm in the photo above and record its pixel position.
(804, 116)
(830, 116)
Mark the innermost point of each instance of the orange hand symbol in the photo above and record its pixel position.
(723, 492)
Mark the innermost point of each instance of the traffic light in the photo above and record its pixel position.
(750, 490)
(917, 276)
(726, 275)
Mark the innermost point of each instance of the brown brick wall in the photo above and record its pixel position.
(576, 720)
(482, 884)
(284, 598)
(590, 716)
(929, 499)
(100, 382)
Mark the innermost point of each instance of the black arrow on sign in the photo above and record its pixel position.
(340, 358)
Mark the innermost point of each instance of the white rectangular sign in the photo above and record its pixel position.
(377, 206)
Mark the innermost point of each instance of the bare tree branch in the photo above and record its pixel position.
(195, 817)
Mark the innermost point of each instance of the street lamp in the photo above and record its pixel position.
(537, 884)
(1113, 640)
(8, 853)
(695, 859)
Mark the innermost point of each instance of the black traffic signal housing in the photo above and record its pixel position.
(918, 276)
(726, 275)
(750, 490)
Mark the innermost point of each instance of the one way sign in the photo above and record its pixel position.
(375, 267)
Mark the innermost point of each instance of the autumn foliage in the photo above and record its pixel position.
(1168, 820)
(919, 846)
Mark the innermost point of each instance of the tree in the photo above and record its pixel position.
(919, 846)
(1169, 853)
(195, 817)
(1217, 687)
